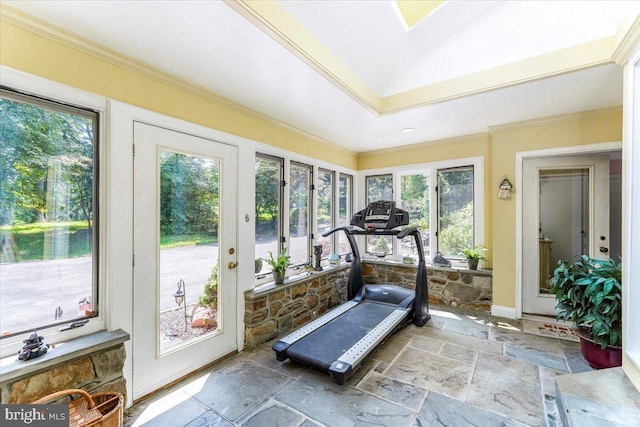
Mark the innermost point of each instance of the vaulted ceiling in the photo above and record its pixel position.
(356, 73)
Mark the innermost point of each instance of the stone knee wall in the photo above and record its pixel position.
(273, 310)
(458, 288)
(94, 373)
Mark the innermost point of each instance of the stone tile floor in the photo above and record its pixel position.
(464, 368)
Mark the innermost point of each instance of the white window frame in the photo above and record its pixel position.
(431, 169)
(37, 86)
(289, 157)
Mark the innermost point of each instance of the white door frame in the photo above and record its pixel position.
(119, 218)
(520, 156)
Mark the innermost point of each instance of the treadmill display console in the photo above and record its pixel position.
(382, 214)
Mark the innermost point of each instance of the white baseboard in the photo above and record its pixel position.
(501, 311)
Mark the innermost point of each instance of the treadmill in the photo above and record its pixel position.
(338, 341)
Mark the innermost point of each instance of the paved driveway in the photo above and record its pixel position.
(31, 291)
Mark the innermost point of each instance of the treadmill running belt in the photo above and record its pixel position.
(325, 345)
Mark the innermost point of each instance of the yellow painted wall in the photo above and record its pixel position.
(478, 145)
(32, 53)
(588, 128)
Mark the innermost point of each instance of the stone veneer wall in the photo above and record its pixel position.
(98, 370)
(457, 288)
(271, 310)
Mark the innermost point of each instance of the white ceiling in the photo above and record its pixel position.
(214, 47)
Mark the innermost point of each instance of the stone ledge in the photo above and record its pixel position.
(430, 267)
(268, 288)
(12, 369)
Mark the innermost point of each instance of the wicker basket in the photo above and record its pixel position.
(100, 409)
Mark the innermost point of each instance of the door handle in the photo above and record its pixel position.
(232, 265)
(604, 250)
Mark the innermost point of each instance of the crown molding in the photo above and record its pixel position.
(628, 37)
(423, 144)
(575, 58)
(554, 119)
(44, 29)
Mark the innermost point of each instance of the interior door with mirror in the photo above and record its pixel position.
(565, 215)
(184, 244)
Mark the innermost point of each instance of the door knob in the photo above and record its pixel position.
(232, 265)
(604, 250)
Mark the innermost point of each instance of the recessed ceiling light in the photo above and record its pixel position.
(407, 130)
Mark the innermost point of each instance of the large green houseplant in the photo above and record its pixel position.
(279, 265)
(589, 294)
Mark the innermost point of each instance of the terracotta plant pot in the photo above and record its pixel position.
(596, 356)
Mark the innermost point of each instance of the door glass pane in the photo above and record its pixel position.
(345, 210)
(189, 224)
(268, 199)
(414, 198)
(48, 220)
(299, 202)
(564, 219)
(325, 210)
(455, 210)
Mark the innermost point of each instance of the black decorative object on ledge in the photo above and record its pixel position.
(440, 261)
(33, 347)
(317, 250)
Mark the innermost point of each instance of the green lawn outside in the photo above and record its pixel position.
(38, 241)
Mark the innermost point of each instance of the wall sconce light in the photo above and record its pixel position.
(505, 188)
(181, 296)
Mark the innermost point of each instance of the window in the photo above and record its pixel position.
(48, 213)
(269, 179)
(324, 214)
(301, 176)
(455, 210)
(285, 214)
(379, 187)
(345, 210)
(442, 201)
(415, 199)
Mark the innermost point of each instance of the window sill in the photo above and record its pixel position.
(12, 369)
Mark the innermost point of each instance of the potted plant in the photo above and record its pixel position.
(589, 293)
(279, 265)
(474, 255)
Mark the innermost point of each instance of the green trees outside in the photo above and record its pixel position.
(46, 165)
(268, 183)
(46, 181)
(379, 188)
(455, 205)
(189, 198)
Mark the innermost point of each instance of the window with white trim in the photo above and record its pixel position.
(379, 187)
(295, 203)
(345, 210)
(300, 202)
(325, 217)
(269, 171)
(442, 201)
(48, 213)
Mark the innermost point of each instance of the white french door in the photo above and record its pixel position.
(184, 239)
(565, 215)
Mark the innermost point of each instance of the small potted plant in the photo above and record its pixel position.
(279, 265)
(589, 293)
(474, 255)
